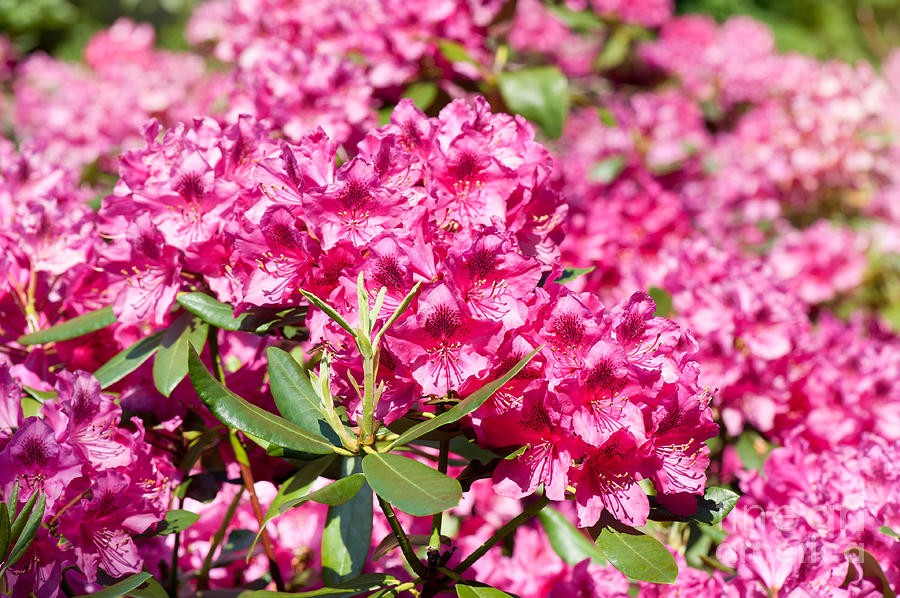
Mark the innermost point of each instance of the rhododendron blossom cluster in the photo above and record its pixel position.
(434, 299)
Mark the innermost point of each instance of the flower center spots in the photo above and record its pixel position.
(526, 373)
(355, 195)
(388, 272)
(190, 186)
(104, 505)
(282, 236)
(82, 405)
(481, 264)
(443, 323)
(603, 376)
(467, 167)
(672, 420)
(410, 131)
(34, 451)
(148, 247)
(536, 418)
(569, 329)
(633, 327)
(332, 272)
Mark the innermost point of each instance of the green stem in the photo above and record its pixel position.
(367, 425)
(212, 337)
(203, 577)
(434, 544)
(173, 574)
(501, 533)
(408, 553)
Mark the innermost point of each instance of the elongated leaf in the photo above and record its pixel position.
(171, 364)
(470, 590)
(570, 274)
(401, 308)
(390, 542)
(39, 395)
(465, 406)
(348, 533)
(294, 395)
(638, 556)
(883, 529)
(13, 503)
(176, 520)
(4, 530)
(77, 326)
(870, 568)
(149, 589)
(454, 51)
(28, 532)
(329, 311)
(128, 360)
(21, 518)
(409, 485)
(570, 544)
(369, 582)
(221, 315)
(422, 94)
(238, 413)
(540, 94)
(123, 588)
(663, 300)
(712, 507)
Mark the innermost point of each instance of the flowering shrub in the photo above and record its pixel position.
(472, 298)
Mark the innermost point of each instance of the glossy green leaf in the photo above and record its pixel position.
(712, 507)
(470, 590)
(409, 485)
(13, 503)
(294, 394)
(4, 530)
(663, 301)
(422, 94)
(540, 94)
(176, 520)
(238, 413)
(348, 532)
(39, 395)
(570, 544)
(638, 555)
(128, 360)
(370, 582)
(171, 363)
(329, 311)
(570, 274)
(221, 315)
(78, 326)
(131, 586)
(19, 519)
(888, 532)
(29, 530)
(464, 407)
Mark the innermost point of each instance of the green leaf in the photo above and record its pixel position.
(663, 301)
(570, 274)
(170, 366)
(23, 541)
(540, 94)
(883, 529)
(329, 311)
(221, 315)
(369, 582)
(470, 590)
(454, 51)
(401, 307)
(20, 518)
(176, 520)
(238, 413)
(133, 585)
(581, 20)
(78, 326)
(638, 555)
(422, 94)
(464, 407)
(712, 507)
(570, 544)
(4, 530)
(39, 395)
(607, 170)
(752, 449)
(870, 568)
(348, 532)
(13, 503)
(410, 486)
(128, 360)
(294, 395)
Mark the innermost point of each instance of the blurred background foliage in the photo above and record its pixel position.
(846, 29)
(62, 27)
